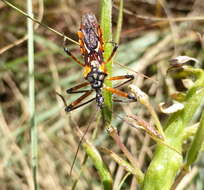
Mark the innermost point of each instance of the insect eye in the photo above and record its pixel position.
(90, 78)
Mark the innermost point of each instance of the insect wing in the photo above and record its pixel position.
(89, 28)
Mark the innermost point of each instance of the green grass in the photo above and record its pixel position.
(43, 157)
(106, 25)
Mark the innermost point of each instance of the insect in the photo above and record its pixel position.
(92, 48)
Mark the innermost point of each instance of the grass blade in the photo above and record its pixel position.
(106, 25)
(119, 23)
(196, 144)
(102, 170)
(31, 84)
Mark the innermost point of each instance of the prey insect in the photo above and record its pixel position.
(92, 48)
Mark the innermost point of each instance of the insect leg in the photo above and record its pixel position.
(73, 89)
(128, 77)
(72, 56)
(120, 93)
(113, 52)
(74, 105)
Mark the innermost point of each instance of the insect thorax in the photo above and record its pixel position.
(96, 77)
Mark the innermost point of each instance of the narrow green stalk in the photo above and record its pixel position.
(95, 157)
(106, 25)
(119, 23)
(99, 164)
(192, 155)
(166, 163)
(32, 94)
(127, 166)
(123, 181)
(196, 144)
(83, 165)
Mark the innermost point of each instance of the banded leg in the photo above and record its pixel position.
(73, 89)
(74, 105)
(120, 93)
(73, 57)
(122, 77)
(113, 52)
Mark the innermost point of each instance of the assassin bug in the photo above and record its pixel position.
(92, 48)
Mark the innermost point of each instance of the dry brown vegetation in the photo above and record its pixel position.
(146, 45)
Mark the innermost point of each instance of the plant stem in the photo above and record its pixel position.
(119, 23)
(98, 162)
(166, 163)
(34, 141)
(196, 144)
(106, 25)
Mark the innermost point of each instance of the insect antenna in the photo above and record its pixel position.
(115, 47)
(62, 98)
(40, 23)
(132, 70)
(77, 127)
(82, 137)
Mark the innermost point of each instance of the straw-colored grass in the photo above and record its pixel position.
(129, 158)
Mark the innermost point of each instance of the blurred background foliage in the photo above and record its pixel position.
(146, 45)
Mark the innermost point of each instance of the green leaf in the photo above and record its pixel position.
(166, 162)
